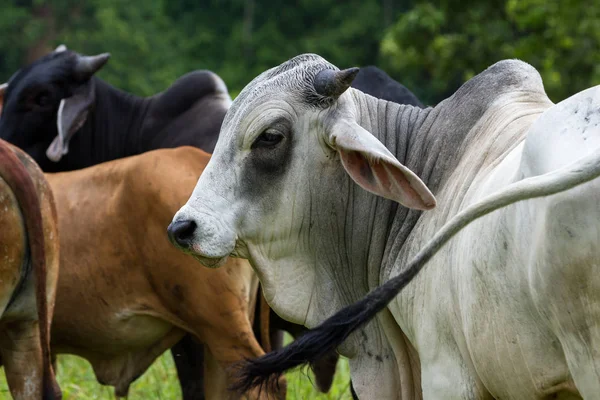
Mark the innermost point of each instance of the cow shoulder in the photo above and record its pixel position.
(188, 90)
(193, 107)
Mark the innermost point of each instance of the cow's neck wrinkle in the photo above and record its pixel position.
(406, 131)
(403, 129)
(430, 142)
(433, 143)
(361, 239)
(115, 125)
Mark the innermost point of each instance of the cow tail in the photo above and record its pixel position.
(335, 330)
(16, 175)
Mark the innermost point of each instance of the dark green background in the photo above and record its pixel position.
(431, 47)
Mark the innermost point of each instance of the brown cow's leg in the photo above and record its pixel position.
(188, 355)
(230, 347)
(22, 356)
(218, 381)
(216, 378)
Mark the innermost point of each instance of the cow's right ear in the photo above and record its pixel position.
(373, 167)
(2, 91)
(72, 114)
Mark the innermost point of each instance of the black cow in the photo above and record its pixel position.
(375, 82)
(65, 118)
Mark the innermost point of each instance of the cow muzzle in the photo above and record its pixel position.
(181, 233)
(205, 238)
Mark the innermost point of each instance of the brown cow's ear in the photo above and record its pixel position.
(72, 114)
(2, 91)
(372, 166)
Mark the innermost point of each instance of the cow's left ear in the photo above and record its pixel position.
(72, 114)
(372, 166)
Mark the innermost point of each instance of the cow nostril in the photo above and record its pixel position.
(181, 233)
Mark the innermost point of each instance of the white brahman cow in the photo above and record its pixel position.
(305, 182)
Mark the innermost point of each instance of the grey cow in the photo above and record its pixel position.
(306, 179)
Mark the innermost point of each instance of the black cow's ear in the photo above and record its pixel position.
(72, 114)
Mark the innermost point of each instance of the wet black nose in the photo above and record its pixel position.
(181, 233)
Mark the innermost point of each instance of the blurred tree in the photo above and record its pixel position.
(430, 47)
(155, 41)
(434, 48)
(239, 39)
(143, 42)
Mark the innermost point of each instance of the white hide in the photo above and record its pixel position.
(510, 308)
(507, 309)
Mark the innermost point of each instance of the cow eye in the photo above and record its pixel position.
(42, 99)
(268, 138)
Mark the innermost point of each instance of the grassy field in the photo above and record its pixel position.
(78, 382)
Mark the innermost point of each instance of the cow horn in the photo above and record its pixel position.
(330, 83)
(60, 48)
(88, 65)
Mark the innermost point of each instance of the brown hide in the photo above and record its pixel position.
(28, 273)
(125, 294)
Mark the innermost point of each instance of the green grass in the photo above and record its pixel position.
(78, 382)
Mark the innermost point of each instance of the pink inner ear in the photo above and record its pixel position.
(382, 178)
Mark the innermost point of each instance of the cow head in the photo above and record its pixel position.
(45, 103)
(277, 185)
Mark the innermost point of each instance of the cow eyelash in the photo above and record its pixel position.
(269, 138)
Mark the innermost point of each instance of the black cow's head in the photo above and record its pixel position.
(45, 103)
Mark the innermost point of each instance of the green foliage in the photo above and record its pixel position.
(242, 38)
(154, 42)
(138, 35)
(431, 47)
(435, 48)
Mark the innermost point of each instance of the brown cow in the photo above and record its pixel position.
(125, 294)
(28, 272)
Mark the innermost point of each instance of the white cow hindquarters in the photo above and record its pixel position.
(564, 273)
(516, 293)
(527, 276)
